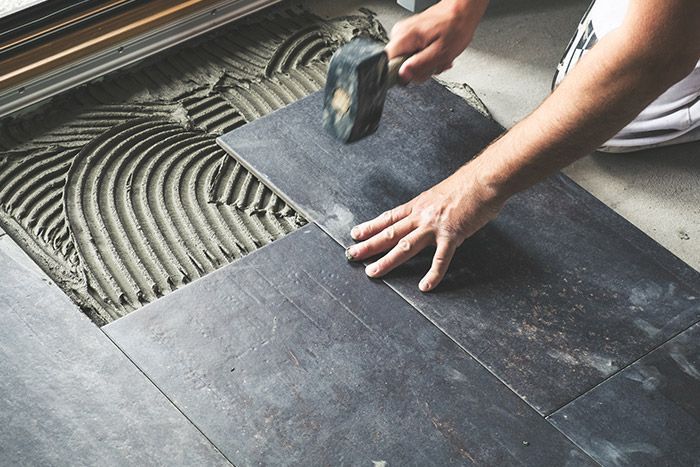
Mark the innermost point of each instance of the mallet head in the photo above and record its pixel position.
(358, 79)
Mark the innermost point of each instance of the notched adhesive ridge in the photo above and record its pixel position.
(118, 189)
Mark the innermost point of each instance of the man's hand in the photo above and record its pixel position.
(435, 36)
(443, 216)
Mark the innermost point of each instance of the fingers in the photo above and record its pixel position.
(380, 242)
(424, 64)
(381, 222)
(405, 249)
(405, 40)
(441, 261)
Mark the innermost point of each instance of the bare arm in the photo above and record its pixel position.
(658, 44)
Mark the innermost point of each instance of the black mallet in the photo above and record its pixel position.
(359, 76)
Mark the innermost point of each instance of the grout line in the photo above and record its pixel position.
(574, 442)
(464, 349)
(445, 333)
(477, 360)
(483, 365)
(216, 448)
(613, 375)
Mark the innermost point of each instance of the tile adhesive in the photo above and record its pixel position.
(118, 190)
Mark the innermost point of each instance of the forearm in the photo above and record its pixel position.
(470, 10)
(612, 84)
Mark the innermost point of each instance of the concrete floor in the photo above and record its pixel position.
(510, 65)
(9, 7)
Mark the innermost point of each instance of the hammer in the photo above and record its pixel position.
(359, 76)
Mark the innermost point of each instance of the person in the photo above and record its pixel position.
(628, 80)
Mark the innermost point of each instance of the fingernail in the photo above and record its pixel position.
(371, 270)
(354, 233)
(424, 285)
(350, 253)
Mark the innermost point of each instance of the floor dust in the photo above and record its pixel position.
(118, 190)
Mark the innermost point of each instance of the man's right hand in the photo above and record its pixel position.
(435, 37)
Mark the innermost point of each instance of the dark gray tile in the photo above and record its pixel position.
(648, 414)
(338, 185)
(68, 396)
(289, 356)
(554, 296)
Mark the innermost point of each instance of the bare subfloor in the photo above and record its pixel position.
(510, 65)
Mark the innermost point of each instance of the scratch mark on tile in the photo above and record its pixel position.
(295, 360)
(352, 313)
(287, 298)
(301, 310)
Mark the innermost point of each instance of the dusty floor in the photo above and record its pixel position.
(510, 65)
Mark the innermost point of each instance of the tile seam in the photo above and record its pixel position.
(470, 354)
(565, 435)
(436, 325)
(615, 374)
(172, 403)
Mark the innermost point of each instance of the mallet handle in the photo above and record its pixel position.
(393, 70)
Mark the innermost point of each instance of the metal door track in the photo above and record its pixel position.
(128, 52)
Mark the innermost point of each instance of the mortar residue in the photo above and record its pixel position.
(118, 190)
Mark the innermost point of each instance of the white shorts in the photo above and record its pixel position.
(673, 118)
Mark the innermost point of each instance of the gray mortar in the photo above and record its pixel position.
(118, 190)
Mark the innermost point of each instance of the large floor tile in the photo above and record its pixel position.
(68, 396)
(648, 414)
(554, 296)
(290, 357)
(426, 133)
